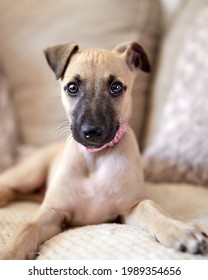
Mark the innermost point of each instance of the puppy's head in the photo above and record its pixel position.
(96, 87)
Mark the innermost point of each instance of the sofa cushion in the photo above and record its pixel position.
(115, 241)
(8, 137)
(171, 44)
(179, 149)
(33, 25)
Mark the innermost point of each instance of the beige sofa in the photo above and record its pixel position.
(31, 113)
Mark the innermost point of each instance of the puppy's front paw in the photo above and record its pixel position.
(185, 238)
(193, 240)
(17, 255)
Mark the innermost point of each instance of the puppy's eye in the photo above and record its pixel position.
(72, 89)
(116, 89)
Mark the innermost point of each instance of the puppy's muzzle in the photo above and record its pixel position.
(94, 133)
(94, 123)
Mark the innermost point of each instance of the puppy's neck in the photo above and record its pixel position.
(119, 134)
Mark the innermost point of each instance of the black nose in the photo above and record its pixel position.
(91, 132)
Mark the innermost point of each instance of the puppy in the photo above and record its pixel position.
(96, 176)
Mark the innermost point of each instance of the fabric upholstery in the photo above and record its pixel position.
(170, 48)
(8, 132)
(179, 150)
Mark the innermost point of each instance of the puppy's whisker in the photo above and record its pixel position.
(69, 138)
(65, 130)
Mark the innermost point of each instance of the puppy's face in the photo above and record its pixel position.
(96, 89)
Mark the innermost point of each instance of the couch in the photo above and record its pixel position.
(169, 117)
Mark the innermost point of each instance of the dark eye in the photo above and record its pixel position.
(116, 89)
(72, 89)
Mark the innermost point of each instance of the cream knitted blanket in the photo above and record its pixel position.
(115, 241)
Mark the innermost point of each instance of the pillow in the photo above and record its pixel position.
(8, 137)
(179, 149)
(36, 24)
(172, 42)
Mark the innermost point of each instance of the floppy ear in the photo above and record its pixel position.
(134, 55)
(59, 56)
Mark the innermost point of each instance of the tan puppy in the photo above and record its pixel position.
(96, 176)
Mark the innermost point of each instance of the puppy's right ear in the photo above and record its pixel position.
(58, 57)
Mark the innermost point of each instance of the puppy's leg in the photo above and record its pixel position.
(27, 176)
(168, 231)
(46, 223)
(54, 213)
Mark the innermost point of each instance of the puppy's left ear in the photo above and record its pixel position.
(58, 57)
(134, 56)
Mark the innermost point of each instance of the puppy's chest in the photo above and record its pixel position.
(99, 194)
(96, 200)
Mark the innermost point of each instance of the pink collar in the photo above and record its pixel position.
(119, 134)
